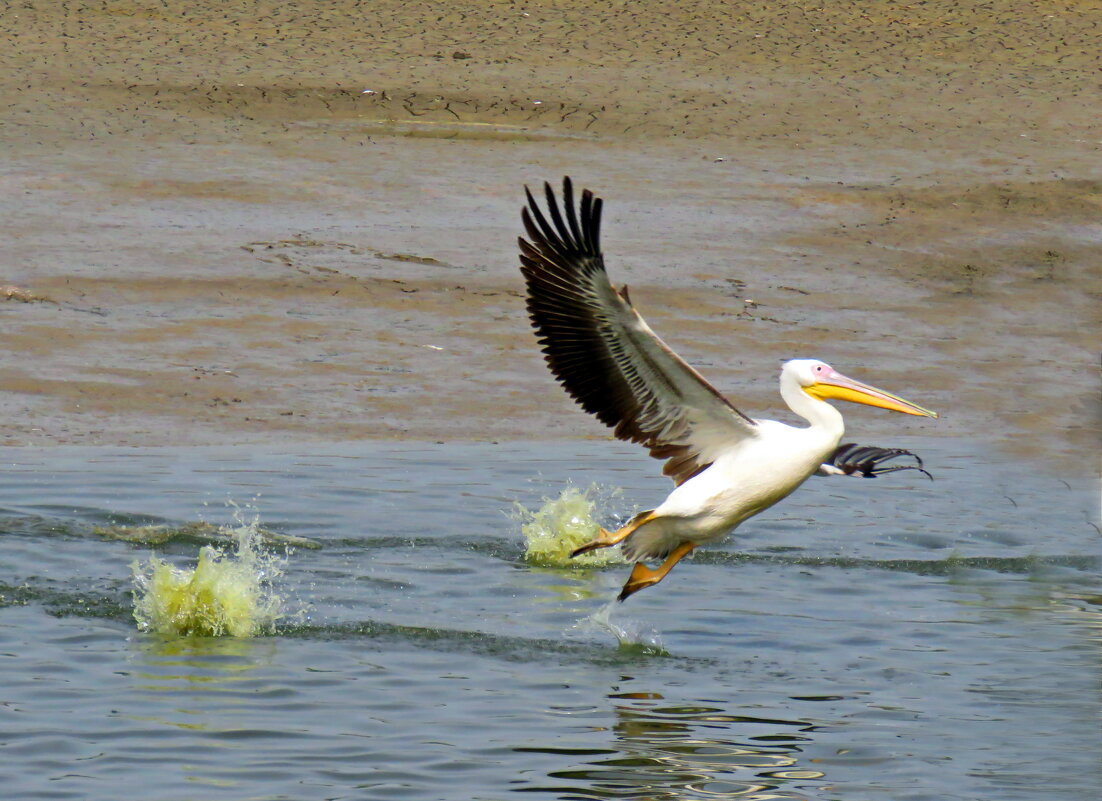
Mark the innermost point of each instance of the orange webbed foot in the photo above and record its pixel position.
(606, 538)
(642, 576)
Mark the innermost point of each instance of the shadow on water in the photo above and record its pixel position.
(663, 750)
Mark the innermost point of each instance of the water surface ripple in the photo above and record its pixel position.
(890, 639)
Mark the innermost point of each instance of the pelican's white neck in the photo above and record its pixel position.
(820, 414)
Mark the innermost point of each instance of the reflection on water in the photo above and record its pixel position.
(186, 668)
(209, 662)
(1084, 609)
(660, 750)
(197, 689)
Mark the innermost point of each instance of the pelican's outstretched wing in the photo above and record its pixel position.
(605, 354)
(867, 461)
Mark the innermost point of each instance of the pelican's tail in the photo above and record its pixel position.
(650, 539)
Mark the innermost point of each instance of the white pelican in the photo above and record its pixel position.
(727, 466)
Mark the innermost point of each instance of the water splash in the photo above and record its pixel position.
(564, 523)
(228, 593)
(630, 634)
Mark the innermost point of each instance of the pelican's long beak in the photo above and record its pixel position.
(839, 387)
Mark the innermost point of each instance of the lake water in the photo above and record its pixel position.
(893, 638)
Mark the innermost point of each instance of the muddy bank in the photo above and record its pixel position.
(238, 223)
(926, 73)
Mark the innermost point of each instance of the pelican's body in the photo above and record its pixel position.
(749, 478)
(727, 466)
(745, 479)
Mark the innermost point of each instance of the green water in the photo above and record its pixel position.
(229, 592)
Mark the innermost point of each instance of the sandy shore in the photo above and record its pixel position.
(239, 222)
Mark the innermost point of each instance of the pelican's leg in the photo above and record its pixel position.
(607, 539)
(642, 576)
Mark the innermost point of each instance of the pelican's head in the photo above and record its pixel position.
(822, 382)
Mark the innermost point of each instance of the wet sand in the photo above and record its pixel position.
(242, 223)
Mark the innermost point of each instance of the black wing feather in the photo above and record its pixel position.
(604, 353)
(869, 461)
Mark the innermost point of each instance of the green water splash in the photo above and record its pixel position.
(562, 524)
(228, 593)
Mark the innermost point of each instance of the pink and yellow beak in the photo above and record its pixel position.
(836, 386)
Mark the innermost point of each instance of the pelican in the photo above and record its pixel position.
(727, 467)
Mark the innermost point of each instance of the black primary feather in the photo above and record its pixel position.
(870, 461)
(603, 352)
